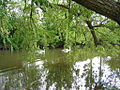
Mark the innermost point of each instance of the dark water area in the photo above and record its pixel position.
(56, 70)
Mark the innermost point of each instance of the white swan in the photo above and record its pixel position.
(67, 50)
(40, 51)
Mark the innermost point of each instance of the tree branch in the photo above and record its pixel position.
(108, 8)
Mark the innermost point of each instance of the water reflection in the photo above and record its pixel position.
(63, 71)
(9, 61)
(95, 75)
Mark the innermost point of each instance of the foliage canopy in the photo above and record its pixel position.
(28, 24)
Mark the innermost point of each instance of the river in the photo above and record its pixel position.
(56, 70)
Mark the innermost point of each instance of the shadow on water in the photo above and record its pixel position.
(56, 70)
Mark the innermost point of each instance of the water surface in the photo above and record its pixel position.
(56, 70)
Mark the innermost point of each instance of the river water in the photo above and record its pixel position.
(56, 70)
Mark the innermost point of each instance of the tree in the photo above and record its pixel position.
(57, 23)
(108, 8)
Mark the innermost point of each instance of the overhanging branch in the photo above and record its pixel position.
(108, 8)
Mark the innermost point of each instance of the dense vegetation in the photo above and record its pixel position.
(28, 24)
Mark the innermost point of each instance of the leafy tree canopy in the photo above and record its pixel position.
(57, 24)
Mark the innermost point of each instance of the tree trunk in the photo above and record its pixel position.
(108, 8)
(96, 42)
(94, 37)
